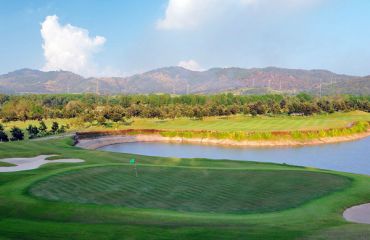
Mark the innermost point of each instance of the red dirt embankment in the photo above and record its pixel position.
(97, 139)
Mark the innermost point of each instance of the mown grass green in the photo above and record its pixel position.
(23, 216)
(195, 190)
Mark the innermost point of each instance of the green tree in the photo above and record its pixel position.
(43, 129)
(304, 97)
(17, 134)
(22, 109)
(115, 113)
(74, 108)
(257, 108)
(8, 112)
(62, 129)
(101, 120)
(198, 113)
(3, 135)
(54, 127)
(33, 131)
(115, 108)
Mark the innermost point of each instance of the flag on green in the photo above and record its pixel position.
(132, 161)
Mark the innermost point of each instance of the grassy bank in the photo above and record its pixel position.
(358, 127)
(304, 135)
(254, 124)
(85, 200)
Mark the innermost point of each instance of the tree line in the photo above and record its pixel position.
(17, 134)
(90, 107)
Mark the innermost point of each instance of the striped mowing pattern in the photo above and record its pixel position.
(193, 190)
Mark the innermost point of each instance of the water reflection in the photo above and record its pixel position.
(351, 157)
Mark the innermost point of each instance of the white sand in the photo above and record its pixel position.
(32, 163)
(358, 214)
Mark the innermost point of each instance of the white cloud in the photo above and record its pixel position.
(187, 14)
(68, 47)
(287, 4)
(190, 14)
(190, 65)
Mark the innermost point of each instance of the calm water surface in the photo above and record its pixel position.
(351, 157)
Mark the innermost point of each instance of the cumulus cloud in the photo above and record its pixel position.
(190, 65)
(190, 14)
(69, 48)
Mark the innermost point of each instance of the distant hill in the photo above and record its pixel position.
(35, 81)
(177, 80)
(357, 86)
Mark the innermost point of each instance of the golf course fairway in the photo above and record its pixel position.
(172, 198)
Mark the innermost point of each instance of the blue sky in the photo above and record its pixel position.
(119, 37)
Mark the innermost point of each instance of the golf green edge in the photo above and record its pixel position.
(25, 217)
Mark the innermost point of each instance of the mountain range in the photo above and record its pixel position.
(178, 80)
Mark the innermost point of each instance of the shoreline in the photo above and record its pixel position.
(98, 142)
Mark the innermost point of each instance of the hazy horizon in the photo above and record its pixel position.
(202, 70)
(94, 38)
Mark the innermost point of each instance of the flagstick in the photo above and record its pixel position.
(135, 169)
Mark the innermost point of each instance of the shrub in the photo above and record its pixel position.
(17, 134)
(42, 126)
(33, 131)
(3, 135)
(62, 129)
(54, 127)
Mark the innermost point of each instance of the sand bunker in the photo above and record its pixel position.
(358, 214)
(23, 164)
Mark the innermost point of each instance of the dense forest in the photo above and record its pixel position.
(90, 107)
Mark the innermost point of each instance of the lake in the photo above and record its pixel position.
(351, 157)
